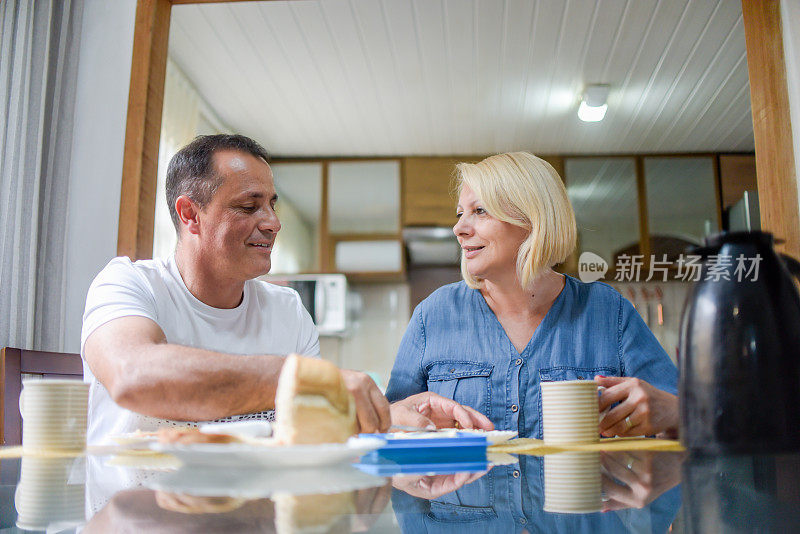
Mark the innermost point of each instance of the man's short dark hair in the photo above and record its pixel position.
(191, 171)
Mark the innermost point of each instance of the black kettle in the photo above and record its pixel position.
(740, 349)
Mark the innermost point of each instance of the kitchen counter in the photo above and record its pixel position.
(641, 492)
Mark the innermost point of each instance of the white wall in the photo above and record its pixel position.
(97, 150)
(376, 332)
(790, 21)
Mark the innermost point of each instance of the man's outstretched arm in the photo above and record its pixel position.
(130, 356)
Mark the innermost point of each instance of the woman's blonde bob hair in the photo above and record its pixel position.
(526, 191)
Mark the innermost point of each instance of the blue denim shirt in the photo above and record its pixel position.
(456, 347)
(502, 503)
(510, 499)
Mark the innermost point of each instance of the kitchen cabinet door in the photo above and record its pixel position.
(682, 200)
(299, 208)
(603, 193)
(364, 217)
(364, 197)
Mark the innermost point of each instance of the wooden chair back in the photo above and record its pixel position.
(15, 362)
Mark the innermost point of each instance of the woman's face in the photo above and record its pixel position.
(489, 246)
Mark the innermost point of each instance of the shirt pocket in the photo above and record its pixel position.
(465, 382)
(553, 374)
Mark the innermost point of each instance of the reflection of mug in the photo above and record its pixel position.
(570, 411)
(54, 414)
(572, 482)
(46, 493)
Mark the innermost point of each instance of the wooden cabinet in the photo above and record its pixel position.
(653, 206)
(681, 198)
(429, 197)
(299, 207)
(737, 173)
(340, 216)
(363, 206)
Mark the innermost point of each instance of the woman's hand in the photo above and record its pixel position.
(643, 410)
(634, 479)
(429, 410)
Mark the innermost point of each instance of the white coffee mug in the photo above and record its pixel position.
(54, 413)
(570, 411)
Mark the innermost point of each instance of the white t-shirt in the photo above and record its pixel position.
(270, 320)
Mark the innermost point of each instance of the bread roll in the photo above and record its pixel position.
(314, 514)
(192, 504)
(312, 404)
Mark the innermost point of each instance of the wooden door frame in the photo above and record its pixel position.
(769, 101)
(769, 98)
(137, 204)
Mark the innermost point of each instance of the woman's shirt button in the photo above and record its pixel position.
(519, 361)
(514, 408)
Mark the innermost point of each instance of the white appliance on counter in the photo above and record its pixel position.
(325, 296)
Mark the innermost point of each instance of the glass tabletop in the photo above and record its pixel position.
(635, 491)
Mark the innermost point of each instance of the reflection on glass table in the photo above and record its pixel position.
(637, 492)
(558, 493)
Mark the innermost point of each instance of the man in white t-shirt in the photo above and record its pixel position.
(194, 337)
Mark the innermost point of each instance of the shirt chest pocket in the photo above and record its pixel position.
(555, 374)
(467, 383)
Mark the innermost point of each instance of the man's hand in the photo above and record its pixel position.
(370, 502)
(429, 410)
(434, 486)
(372, 408)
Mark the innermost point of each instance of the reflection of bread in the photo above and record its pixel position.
(312, 404)
(188, 435)
(191, 504)
(328, 514)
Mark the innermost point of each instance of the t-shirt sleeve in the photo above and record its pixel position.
(642, 354)
(308, 335)
(117, 291)
(407, 377)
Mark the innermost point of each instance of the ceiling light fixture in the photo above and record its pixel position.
(593, 104)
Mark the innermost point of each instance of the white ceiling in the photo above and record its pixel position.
(400, 77)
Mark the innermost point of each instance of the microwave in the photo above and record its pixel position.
(325, 296)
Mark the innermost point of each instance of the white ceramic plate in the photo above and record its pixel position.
(242, 454)
(258, 482)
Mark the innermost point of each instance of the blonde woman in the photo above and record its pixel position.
(487, 342)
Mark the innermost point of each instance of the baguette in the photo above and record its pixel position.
(314, 514)
(312, 403)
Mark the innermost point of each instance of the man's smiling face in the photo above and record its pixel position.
(239, 225)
